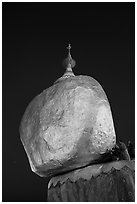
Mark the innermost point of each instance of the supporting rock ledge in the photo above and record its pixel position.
(109, 182)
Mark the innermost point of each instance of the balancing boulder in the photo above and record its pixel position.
(67, 126)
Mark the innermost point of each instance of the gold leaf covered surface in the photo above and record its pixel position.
(67, 126)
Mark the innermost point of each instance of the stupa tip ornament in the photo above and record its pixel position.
(68, 63)
(68, 125)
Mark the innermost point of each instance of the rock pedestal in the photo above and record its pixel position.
(111, 182)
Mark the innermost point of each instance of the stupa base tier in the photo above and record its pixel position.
(116, 184)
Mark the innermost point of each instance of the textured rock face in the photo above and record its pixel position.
(67, 126)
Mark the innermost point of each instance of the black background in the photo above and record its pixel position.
(35, 36)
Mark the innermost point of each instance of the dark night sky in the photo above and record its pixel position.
(35, 36)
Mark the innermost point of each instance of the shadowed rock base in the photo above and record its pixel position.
(106, 183)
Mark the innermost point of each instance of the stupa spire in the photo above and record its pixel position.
(69, 63)
(69, 47)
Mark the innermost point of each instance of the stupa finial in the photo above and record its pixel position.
(69, 63)
(69, 47)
